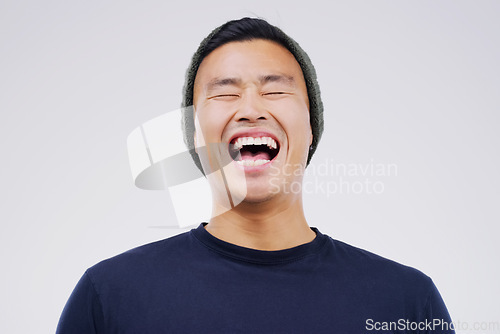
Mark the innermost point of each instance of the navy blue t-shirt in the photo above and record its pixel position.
(196, 283)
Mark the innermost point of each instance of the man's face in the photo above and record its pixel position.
(251, 98)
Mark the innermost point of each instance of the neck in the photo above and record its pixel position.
(271, 225)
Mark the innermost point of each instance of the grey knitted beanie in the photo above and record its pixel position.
(247, 29)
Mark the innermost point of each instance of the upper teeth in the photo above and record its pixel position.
(270, 142)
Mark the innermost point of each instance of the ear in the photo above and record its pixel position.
(195, 146)
(198, 138)
(312, 136)
(194, 131)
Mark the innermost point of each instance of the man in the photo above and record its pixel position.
(258, 267)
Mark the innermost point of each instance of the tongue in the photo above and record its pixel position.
(246, 155)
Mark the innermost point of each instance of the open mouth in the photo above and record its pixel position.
(253, 151)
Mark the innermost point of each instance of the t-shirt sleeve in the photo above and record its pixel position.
(83, 310)
(437, 314)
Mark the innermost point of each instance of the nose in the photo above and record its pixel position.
(251, 109)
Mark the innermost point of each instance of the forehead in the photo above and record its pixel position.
(248, 61)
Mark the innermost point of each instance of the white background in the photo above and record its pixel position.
(411, 83)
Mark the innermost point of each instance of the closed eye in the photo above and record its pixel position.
(224, 97)
(275, 93)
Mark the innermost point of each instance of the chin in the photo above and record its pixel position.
(257, 198)
(259, 193)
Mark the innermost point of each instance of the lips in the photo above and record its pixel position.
(253, 148)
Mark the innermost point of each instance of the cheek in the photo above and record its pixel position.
(296, 123)
(295, 120)
(211, 124)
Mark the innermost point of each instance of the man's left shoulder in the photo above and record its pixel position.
(378, 270)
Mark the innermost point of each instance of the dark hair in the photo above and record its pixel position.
(247, 29)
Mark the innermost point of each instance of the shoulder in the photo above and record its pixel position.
(361, 259)
(145, 258)
(379, 271)
(388, 284)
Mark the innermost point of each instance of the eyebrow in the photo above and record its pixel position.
(279, 78)
(218, 82)
(263, 79)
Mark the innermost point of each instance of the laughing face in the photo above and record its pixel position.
(252, 110)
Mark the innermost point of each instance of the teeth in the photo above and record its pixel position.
(273, 144)
(252, 162)
(270, 142)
